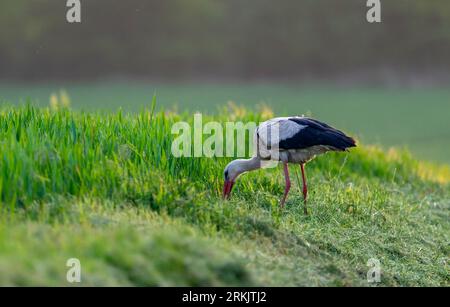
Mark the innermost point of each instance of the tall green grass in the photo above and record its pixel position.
(67, 176)
(50, 152)
(395, 116)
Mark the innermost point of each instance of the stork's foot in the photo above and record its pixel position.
(305, 189)
(305, 195)
(286, 191)
(305, 209)
(288, 185)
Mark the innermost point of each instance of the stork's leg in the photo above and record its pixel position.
(305, 188)
(288, 184)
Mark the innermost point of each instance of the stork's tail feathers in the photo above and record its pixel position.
(342, 142)
(349, 143)
(352, 144)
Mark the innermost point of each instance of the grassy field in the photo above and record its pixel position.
(104, 188)
(416, 118)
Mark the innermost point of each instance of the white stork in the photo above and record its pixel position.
(295, 140)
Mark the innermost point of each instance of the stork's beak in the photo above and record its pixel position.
(227, 187)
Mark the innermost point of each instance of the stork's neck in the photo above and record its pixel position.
(246, 165)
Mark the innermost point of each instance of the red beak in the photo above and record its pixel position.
(227, 187)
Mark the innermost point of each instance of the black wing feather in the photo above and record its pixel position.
(316, 133)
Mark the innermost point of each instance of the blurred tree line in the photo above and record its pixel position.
(222, 39)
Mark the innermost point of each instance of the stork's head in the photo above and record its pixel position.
(231, 172)
(234, 169)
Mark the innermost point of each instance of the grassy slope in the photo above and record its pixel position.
(105, 189)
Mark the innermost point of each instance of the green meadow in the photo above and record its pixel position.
(104, 187)
(412, 118)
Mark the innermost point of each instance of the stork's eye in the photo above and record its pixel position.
(226, 174)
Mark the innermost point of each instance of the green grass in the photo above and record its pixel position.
(104, 188)
(416, 118)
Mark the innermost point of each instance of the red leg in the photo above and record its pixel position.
(288, 184)
(305, 187)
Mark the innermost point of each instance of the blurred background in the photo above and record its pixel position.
(387, 83)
